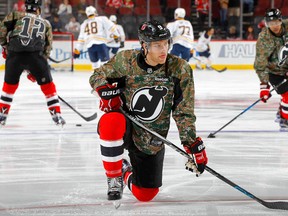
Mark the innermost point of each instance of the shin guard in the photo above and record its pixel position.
(284, 105)
(111, 128)
(50, 93)
(6, 99)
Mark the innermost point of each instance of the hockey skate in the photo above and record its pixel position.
(3, 116)
(115, 188)
(116, 185)
(278, 115)
(208, 67)
(283, 124)
(2, 119)
(57, 118)
(199, 67)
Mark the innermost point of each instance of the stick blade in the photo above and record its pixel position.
(58, 61)
(220, 70)
(211, 135)
(276, 205)
(91, 118)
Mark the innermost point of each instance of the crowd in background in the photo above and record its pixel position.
(67, 15)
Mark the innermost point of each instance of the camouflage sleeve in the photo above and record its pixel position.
(183, 111)
(264, 48)
(108, 70)
(5, 26)
(48, 40)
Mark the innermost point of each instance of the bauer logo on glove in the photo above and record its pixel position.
(110, 97)
(108, 93)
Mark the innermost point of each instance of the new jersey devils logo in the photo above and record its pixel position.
(283, 54)
(148, 103)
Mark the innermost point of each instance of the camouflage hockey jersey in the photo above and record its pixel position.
(268, 47)
(26, 32)
(152, 94)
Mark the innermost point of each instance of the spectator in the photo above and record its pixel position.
(234, 13)
(47, 12)
(19, 6)
(73, 26)
(56, 24)
(65, 11)
(65, 8)
(223, 14)
(261, 24)
(202, 7)
(232, 33)
(128, 3)
(81, 7)
(114, 3)
(249, 34)
(248, 6)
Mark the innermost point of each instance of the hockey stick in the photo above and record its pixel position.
(218, 70)
(90, 118)
(212, 135)
(271, 205)
(59, 61)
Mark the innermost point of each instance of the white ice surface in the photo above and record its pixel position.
(48, 171)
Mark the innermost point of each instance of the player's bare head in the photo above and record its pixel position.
(179, 13)
(273, 17)
(33, 6)
(210, 30)
(90, 11)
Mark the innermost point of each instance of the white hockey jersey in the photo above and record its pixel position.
(182, 32)
(95, 31)
(203, 42)
(112, 42)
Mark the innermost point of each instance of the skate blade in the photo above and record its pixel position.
(60, 126)
(284, 129)
(116, 204)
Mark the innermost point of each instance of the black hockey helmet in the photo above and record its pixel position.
(153, 30)
(273, 14)
(32, 5)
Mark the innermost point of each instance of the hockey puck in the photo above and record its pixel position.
(78, 125)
